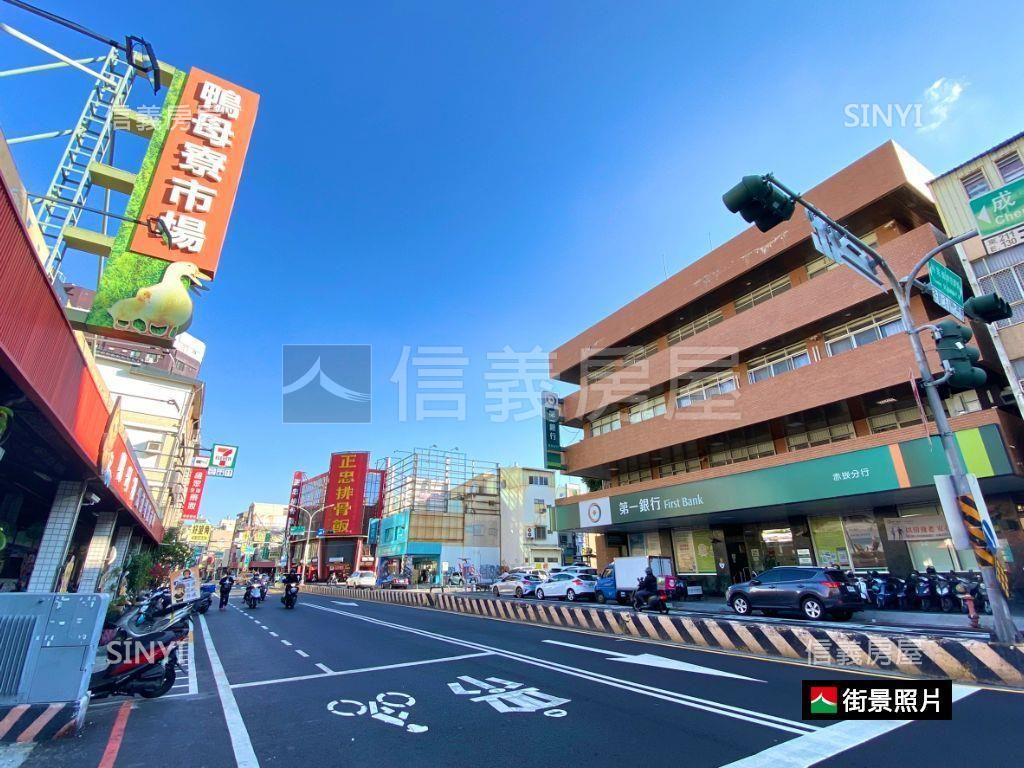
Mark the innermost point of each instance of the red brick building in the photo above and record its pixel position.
(755, 408)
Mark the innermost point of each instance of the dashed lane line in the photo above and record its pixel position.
(285, 642)
(324, 668)
(303, 654)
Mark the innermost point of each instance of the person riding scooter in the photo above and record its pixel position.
(647, 588)
(226, 583)
(263, 587)
(290, 581)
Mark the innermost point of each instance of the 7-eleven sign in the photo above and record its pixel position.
(222, 460)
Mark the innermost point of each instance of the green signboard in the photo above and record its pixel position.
(298, 530)
(553, 458)
(1000, 209)
(883, 468)
(947, 288)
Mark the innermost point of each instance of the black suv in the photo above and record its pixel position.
(812, 592)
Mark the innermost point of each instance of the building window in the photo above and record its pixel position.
(1010, 167)
(538, 480)
(879, 325)
(540, 507)
(777, 363)
(604, 424)
(975, 184)
(596, 374)
(640, 353)
(762, 294)
(710, 386)
(648, 409)
(741, 445)
(820, 266)
(963, 402)
(540, 532)
(635, 470)
(681, 459)
(819, 426)
(1003, 273)
(893, 414)
(693, 328)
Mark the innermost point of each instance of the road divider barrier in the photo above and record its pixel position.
(966, 661)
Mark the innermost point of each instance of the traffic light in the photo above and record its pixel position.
(951, 343)
(759, 202)
(988, 308)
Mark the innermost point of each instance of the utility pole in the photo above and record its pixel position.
(765, 202)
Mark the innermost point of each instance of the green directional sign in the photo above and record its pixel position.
(947, 288)
(1000, 209)
(298, 530)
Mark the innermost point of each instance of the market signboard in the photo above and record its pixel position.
(346, 491)
(881, 468)
(188, 180)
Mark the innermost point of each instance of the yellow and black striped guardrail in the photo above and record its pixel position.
(966, 661)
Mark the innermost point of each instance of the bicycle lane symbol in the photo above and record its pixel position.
(388, 707)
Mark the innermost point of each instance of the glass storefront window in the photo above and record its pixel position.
(693, 550)
(862, 535)
(938, 553)
(777, 546)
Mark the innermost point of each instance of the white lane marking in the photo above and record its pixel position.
(273, 634)
(651, 660)
(400, 665)
(338, 602)
(245, 756)
(303, 654)
(718, 708)
(324, 668)
(285, 642)
(805, 751)
(13, 755)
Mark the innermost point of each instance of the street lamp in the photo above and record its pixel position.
(765, 202)
(310, 514)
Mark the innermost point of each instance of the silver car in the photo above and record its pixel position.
(516, 584)
(571, 586)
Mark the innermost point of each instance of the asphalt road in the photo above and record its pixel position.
(347, 682)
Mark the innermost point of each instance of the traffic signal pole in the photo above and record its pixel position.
(1003, 628)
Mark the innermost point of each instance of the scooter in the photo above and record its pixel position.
(291, 595)
(656, 602)
(142, 655)
(263, 591)
(252, 596)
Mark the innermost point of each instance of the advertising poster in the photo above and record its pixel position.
(865, 542)
(686, 556)
(184, 586)
(705, 551)
(829, 541)
(346, 491)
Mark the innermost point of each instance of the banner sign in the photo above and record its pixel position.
(194, 493)
(346, 491)
(916, 528)
(295, 496)
(122, 474)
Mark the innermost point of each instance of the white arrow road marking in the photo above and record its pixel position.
(650, 660)
(814, 748)
(338, 602)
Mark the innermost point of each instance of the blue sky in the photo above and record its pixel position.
(491, 174)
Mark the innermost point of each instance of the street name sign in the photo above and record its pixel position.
(947, 288)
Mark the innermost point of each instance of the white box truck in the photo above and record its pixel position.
(619, 578)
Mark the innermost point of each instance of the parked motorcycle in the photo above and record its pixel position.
(252, 596)
(291, 595)
(142, 650)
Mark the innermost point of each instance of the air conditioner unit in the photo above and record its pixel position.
(530, 532)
